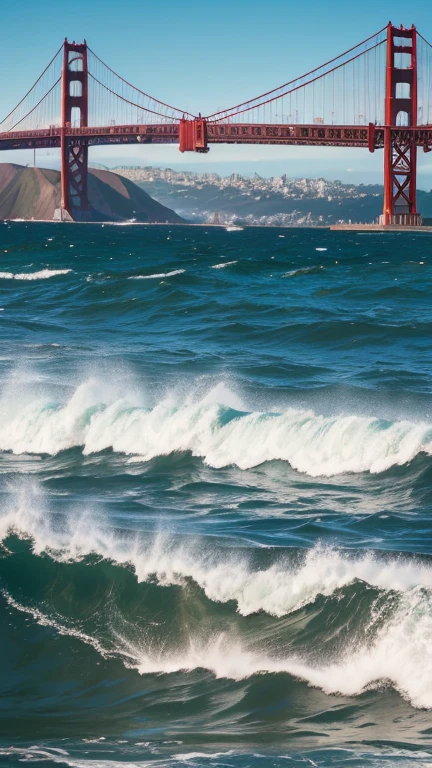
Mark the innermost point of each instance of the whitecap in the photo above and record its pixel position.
(223, 264)
(283, 587)
(399, 655)
(157, 275)
(397, 650)
(42, 274)
(222, 434)
(301, 271)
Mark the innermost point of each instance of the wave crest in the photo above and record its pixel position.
(393, 648)
(280, 588)
(399, 655)
(210, 428)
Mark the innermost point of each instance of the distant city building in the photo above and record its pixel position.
(188, 193)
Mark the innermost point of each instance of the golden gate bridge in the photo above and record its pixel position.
(376, 95)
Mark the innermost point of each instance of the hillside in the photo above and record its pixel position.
(266, 201)
(34, 193)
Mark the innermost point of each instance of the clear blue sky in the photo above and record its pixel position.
(202, 56)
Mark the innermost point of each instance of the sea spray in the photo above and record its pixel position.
(219, 434)
(393, 649)
(290, 582)
(400, 655)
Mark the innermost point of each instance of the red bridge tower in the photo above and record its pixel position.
(400, 152)
(74, 149)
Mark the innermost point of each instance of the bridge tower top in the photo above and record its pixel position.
(75, 84)
(401, 76)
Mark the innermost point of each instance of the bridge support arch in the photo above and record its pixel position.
(74, 150)
(400, 152)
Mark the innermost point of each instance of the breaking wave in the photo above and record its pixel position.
(278, 589)
(218, 428)
(399, 655)
(393, 648)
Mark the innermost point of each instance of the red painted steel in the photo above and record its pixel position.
(306, 135)
(74, 149)
(400, 151)
(283, 135)
(169, 133)
(194, 134)
(371, 137)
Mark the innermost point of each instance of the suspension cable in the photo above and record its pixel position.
(36, 105)
(290, 82)
(157, 101)
(298, 87)
(33, 86)
(132, 103)
(424, 39)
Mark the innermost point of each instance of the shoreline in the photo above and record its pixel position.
(377, 228)
(231, 227)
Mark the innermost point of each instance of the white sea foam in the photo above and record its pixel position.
(398, 651)
(157, 275)
(400, 654)
(280, 588)
(403, 758)
(223, 264)
(96, 419)
(43, 274)
(202, 755)
(42, 754)
(62, 629)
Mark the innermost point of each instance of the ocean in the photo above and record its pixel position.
(215, 497)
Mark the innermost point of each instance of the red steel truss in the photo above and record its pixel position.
(367, 137)
(74, 149)
(400, 154)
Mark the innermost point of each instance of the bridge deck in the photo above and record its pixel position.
(217, 133)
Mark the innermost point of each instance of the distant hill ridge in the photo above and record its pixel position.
(34, 193)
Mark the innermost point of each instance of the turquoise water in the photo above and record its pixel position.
(215, 497)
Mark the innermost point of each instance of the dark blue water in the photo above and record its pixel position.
(215, 497)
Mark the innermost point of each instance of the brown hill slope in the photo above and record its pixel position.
(34, 193)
